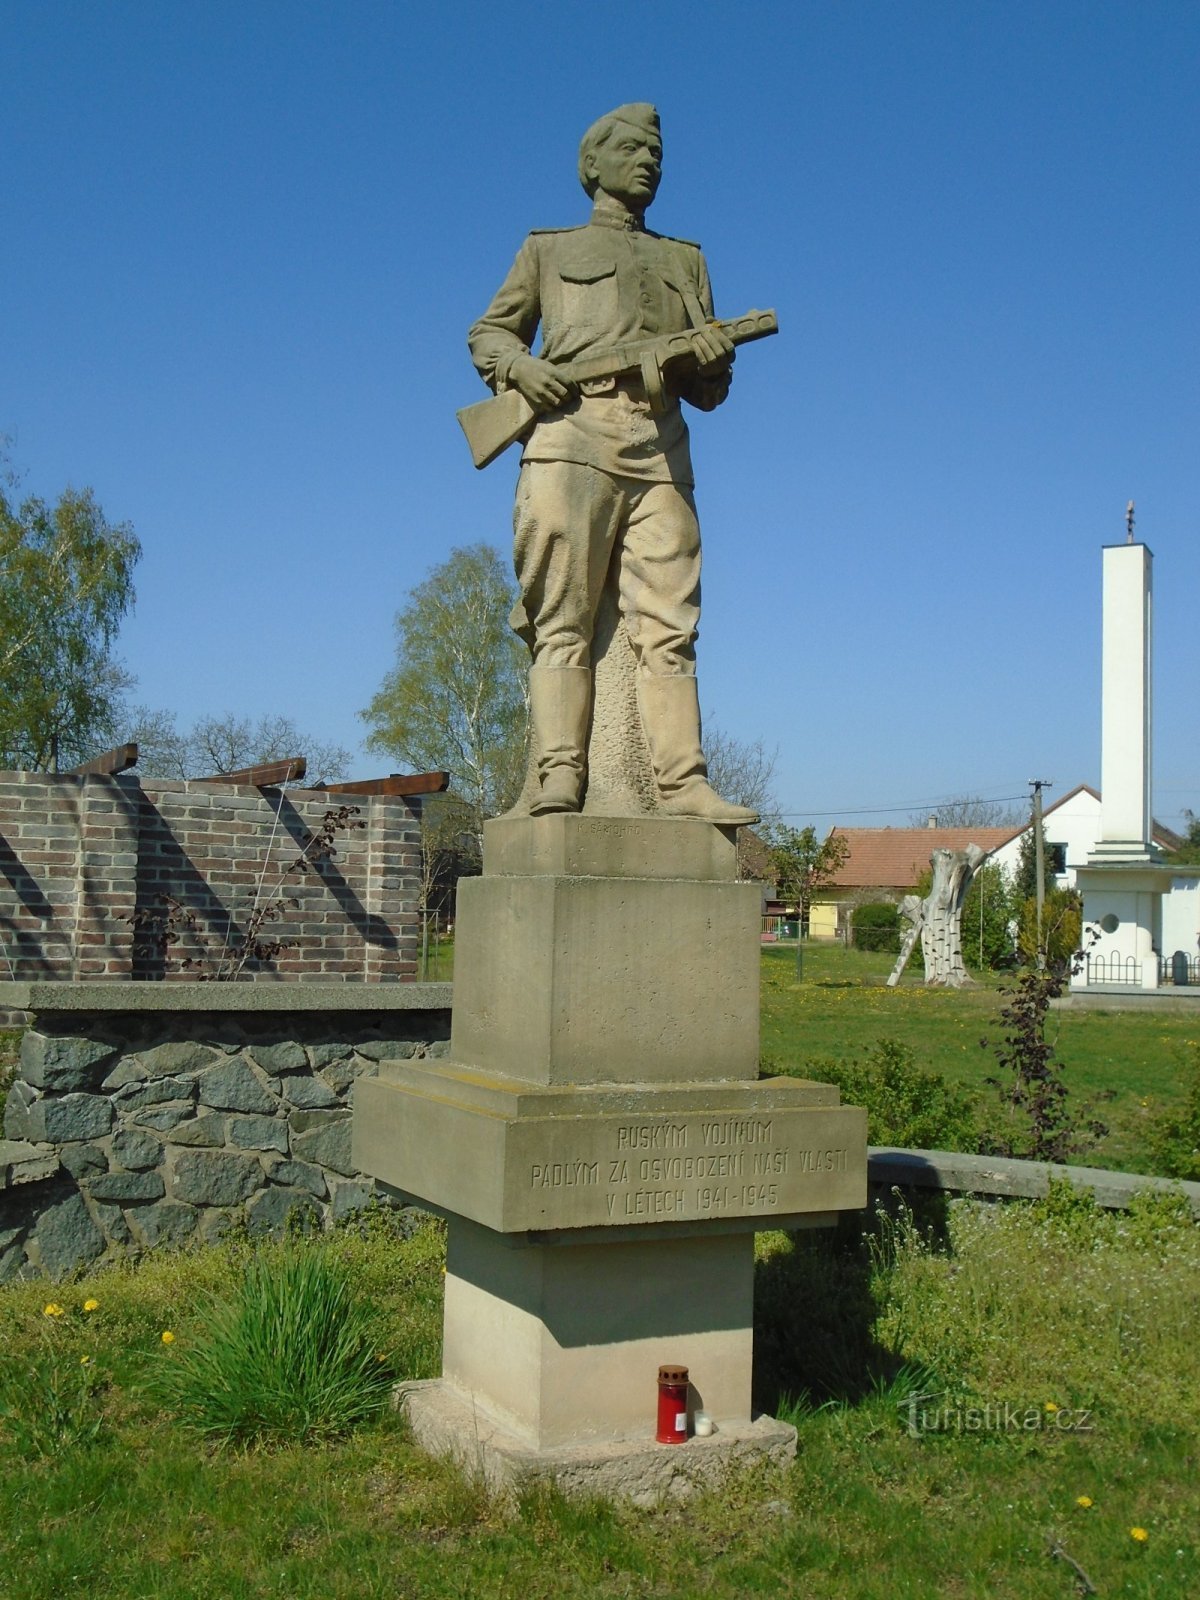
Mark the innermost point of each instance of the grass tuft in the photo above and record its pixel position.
(291, 1356)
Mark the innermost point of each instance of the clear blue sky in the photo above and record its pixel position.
(243, 243)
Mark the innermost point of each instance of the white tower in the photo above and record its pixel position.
(1124, 880)
(1125, 725)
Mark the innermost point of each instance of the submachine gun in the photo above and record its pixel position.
(492, 425)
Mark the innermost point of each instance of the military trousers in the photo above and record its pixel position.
(571, 524)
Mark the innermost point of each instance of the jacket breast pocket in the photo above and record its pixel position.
(589, 293)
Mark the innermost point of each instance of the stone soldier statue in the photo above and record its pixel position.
(606, 475)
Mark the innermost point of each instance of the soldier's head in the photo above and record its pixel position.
(622, 155)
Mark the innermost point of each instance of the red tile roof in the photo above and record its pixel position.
(895, 858)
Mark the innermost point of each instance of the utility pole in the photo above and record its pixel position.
(1039, 848)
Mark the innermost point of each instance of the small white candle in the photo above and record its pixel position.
(704, 1425)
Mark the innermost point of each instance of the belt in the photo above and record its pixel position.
(629, 383)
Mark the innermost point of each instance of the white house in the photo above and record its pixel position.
(1073, 829)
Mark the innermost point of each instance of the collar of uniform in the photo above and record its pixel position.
(610, 213)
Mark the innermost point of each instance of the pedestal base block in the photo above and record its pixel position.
(562, 1346)
(524, 1159)
(561, 980)
(447, 1423)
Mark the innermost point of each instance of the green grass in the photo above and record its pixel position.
(1021, 1304)
(104, 1489)
(1127, 1064)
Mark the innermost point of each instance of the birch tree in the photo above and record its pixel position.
(66, 582)
(457, 697)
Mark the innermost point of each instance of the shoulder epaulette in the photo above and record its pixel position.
(574, 229)
(671, 239)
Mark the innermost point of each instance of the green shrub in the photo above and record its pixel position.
(906, 1106)
(291, 1355)
(877, 927)
(1174, 1136)
(1072, 1212)
(1062, 926)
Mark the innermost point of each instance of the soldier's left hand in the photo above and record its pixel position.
(714, 351)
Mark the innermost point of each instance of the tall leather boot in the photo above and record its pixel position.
(560, 701)
(670, 709)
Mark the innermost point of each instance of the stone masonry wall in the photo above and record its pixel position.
(80, 855)
(125, 1131)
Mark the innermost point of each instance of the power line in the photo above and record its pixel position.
(913, 805)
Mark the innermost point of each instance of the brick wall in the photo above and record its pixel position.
(80, 856)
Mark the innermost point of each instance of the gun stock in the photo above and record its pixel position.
(492, 425)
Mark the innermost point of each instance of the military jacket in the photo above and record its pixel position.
(588, 288)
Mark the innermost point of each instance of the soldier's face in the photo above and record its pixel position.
(628, 165)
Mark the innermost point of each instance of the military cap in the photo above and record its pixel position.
(637, 114)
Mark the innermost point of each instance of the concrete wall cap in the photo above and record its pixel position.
(252, 998)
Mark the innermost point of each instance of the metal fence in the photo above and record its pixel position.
(1179, 969)
(1113, 968)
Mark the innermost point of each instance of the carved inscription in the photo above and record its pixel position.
(565, 1174)
(662, 1167)
(613, 830)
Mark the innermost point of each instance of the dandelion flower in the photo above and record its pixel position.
(167, 1336)
(1051, 1407)
(52, 1310)
(1139, 1534)
(85, 1361)
(91, 1305)
(1084, 1500)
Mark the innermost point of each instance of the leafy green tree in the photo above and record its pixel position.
(988, 914)
(1025, 876)
(804, 864)
(1188, 853)
(1025, 873)
(66, 581)
(457, 697)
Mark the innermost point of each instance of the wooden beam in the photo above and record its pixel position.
(267, 775)
(118, 760)
(1010, 1177)
(399, 783)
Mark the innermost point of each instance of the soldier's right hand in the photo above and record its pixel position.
(540, 383)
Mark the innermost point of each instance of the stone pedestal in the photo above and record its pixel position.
(600, 1140)
(582, 1330)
